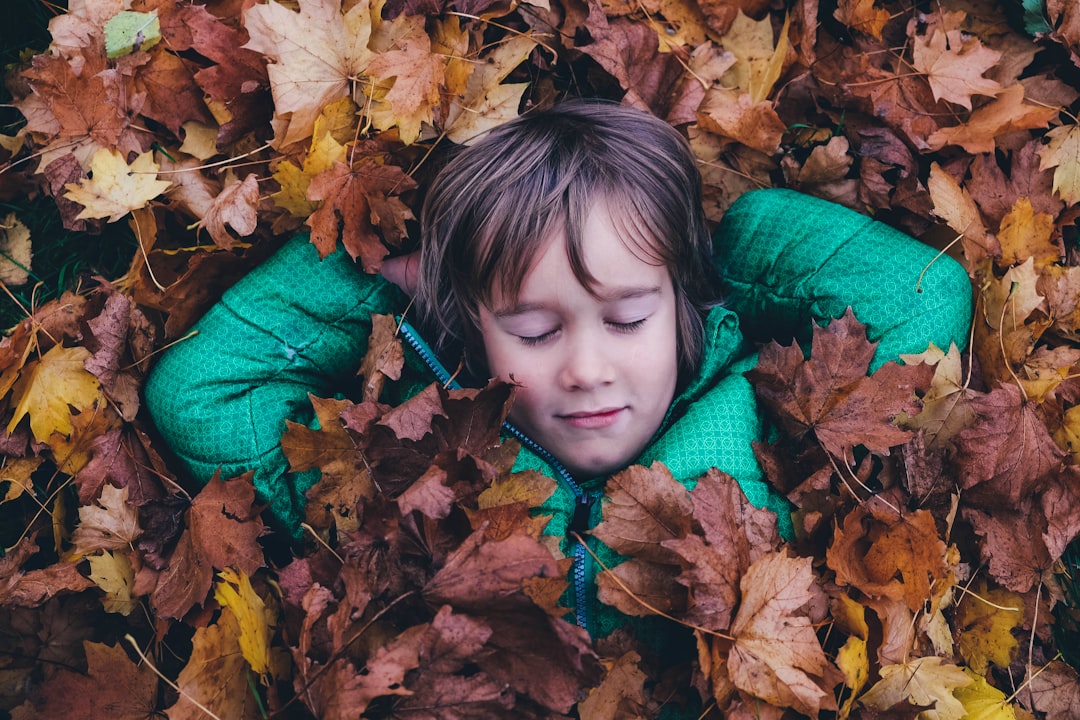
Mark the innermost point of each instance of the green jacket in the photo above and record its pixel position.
(296, 325)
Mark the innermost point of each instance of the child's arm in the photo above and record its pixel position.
(788, 259)
(294, 325)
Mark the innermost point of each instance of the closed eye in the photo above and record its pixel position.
(628, 327)
(533, 340)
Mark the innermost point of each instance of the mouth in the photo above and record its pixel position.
(593, 419)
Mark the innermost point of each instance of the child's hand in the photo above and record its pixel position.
(401, 271)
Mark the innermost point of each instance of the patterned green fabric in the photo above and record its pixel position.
(297, 325)
(788, 259)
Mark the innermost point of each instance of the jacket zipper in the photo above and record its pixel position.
(582, 500)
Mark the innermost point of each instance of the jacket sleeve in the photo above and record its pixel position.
(294, 325)
(788, 259)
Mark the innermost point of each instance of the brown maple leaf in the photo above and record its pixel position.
(954, 61)
(776, 655)
(736, 534)
(487, 576)
(883, 554)
(384, 358)
(362, 207)
(31, 588)
(172, 96)
(216, 676)
(114, 686)
(236, 206)
(1055, 691)
(645, 507)
(222, 531)
(237, 85)
(1012, 544)
(1006, 454)
(830, 394)
(1006, 113)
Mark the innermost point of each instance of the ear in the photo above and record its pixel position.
(402, 271)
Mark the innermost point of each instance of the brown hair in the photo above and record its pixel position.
(491, 207)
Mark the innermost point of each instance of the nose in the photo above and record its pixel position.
(588, 362)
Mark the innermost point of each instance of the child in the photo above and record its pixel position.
(567, 252)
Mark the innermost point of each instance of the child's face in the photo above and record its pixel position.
(597, 370)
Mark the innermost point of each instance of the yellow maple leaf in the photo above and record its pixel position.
(759, 61)
(922, 681)
(116, 188)
(487, 102)
(1026, 234)
(234, 591)
(450, 37)
(318, 56)
(985, 621)
(48, 388)
(853, 658)
(16, 472)
(15, 251)
(944, 412)
(861, 15)
(115, 576)
(1068, 435)
(1062, 153)
(325, 150)
(982, 701)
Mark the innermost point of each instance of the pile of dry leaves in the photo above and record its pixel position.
(934, 499)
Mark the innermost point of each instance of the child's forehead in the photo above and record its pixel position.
(585, 252)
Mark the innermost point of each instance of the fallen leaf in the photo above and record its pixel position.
(31, 588)
(954, 61)
(902, 558)
(1062, 153)
(48, 388)
(116, 188)
(316, 53)
(385, 356)
(119, 687)
(1006, 113)
(16, 251)
(861, 15)
(620, 695)
(776, 655)
(985, 619)
(109, 524)
(361, 207)
(222, 531)
(982, 701)
(921, 681)
(645, 507)
(1026, 234)
(255, 620)
(112, 572)
(830, 394)
(216, 676)
(236, 207)
(417, 74)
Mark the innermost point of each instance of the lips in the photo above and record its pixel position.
(593, 419)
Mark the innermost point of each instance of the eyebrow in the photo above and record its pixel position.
(615, 295)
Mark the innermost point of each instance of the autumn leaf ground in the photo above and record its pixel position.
(936, 501)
